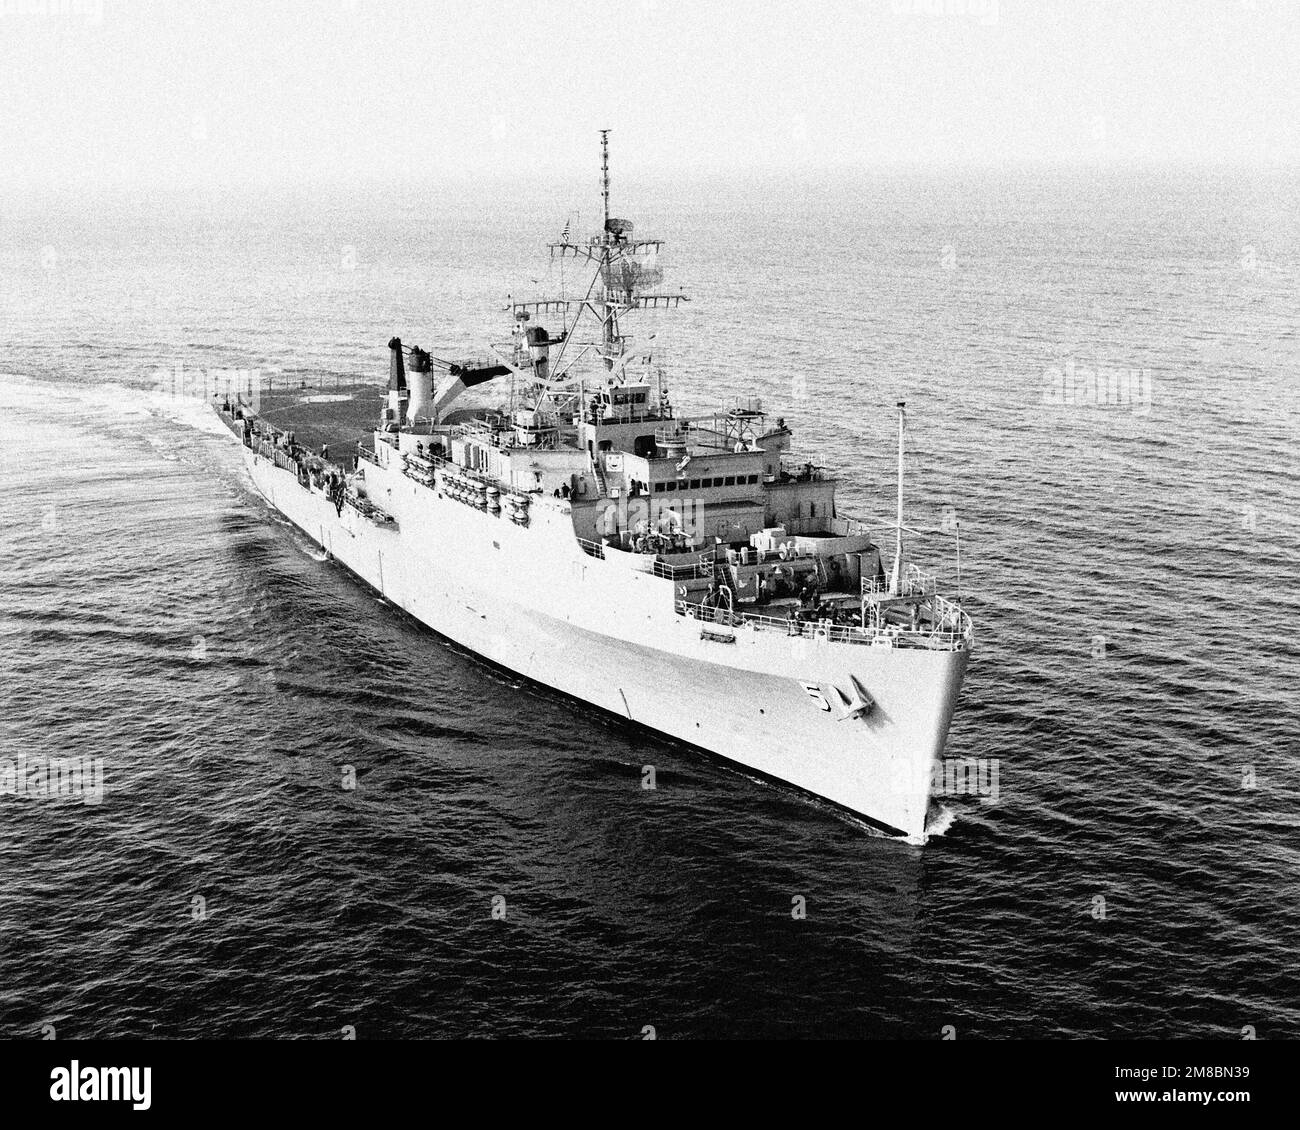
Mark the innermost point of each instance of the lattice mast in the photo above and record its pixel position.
(626, 277)
(609, 316)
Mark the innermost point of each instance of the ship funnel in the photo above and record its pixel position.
(397, 393)
(539, 351)
(396, 370)
(421, 384)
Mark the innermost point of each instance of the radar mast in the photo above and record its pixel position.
(626, 277)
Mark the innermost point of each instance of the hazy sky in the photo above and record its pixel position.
(253, 90)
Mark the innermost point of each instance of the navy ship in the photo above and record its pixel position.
(694, 574)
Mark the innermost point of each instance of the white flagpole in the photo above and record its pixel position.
(958, 564)
(896, 582)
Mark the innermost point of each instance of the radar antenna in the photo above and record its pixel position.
(627, 276)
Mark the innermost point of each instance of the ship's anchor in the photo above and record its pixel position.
(856, 707)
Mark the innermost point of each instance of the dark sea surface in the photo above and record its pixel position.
(1132, 571)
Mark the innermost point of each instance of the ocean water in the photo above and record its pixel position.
(1131, 568)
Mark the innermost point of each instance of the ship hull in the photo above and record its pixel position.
(529, 600)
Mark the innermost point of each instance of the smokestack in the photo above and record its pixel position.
(396, 370)
(421, 384)
(396, 414)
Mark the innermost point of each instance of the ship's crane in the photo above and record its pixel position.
(410, 399)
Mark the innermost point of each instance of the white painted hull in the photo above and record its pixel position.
(529, 599)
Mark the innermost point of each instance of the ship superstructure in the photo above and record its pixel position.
(691, 574)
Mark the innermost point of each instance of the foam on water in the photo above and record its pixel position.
(940, 821)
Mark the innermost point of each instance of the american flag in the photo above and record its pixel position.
(564, 235)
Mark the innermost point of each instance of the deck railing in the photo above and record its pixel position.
(914, 583)
(642, 562)
(701, 569)
(799, 468)
(694, 571)
(951, 619)
(367, 509)
(933, 637)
